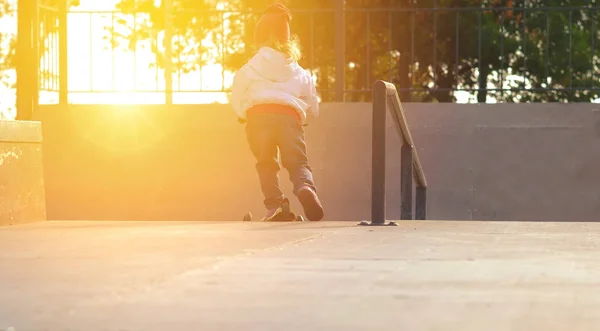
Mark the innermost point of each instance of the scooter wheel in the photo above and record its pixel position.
(248, 217)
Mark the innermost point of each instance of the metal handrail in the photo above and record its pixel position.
(404, 131)
(385, 94)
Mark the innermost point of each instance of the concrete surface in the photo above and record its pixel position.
(514, 162)
(22, 194)
(467, 276)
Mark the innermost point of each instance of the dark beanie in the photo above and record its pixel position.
(275, 22)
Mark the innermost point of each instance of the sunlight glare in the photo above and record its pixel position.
(99, 74)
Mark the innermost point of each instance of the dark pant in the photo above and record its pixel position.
(266, 133)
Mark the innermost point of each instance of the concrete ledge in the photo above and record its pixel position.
(21, 131)
(22, 193)
(510, 162)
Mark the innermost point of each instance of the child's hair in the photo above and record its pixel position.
(273, 30)
(291, 48)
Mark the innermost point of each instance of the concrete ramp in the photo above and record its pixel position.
(303, 276)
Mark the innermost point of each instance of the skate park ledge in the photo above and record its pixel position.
(495, 162)
(22, 195)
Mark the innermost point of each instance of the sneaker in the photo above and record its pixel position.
(311, 204)
(270, 213)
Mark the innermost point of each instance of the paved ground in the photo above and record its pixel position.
(326, 276)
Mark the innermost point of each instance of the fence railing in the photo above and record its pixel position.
(507, 53)
(385, 98)
(526, 52)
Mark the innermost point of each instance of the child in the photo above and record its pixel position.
(274, 95)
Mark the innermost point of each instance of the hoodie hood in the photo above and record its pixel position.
(273, 65)
(271, 77)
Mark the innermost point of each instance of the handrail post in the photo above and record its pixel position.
(406, 182)
(410, 166)
(378, 154)
(421, 203)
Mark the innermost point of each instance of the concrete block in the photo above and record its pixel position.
(22, 194)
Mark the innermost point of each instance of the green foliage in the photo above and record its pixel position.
(497, 44)
(7, 58)
(546, 43)
(7, 38)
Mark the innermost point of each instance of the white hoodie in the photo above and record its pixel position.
(270, 77)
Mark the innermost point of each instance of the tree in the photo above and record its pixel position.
(513, 40)
(7, 53)
(197, 23)
(8, 45)
(496, 44)
(551, 42)
(7, 37)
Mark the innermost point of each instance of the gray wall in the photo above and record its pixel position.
(511, 162)
(191, 162)
(21, 174)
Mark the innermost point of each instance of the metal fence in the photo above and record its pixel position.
(48, 48)
(521, 53)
